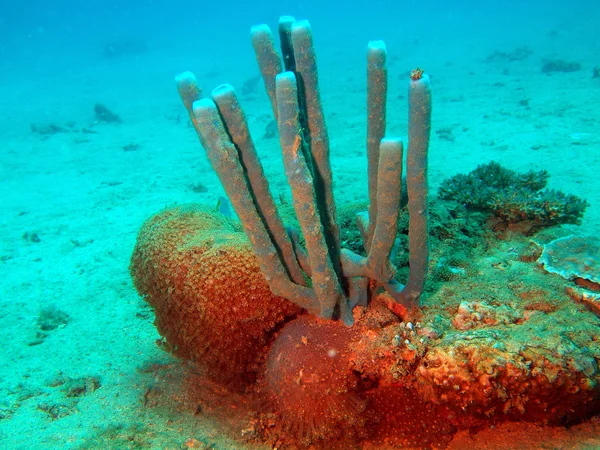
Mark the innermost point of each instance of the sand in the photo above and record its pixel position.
(73, 201)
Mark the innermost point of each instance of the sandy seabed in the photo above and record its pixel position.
(78, 367)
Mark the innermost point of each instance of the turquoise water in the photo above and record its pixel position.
(94, 140)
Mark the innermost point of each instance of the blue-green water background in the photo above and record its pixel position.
(38, 37)
(71, 203)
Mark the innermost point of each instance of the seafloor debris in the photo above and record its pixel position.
(518, 54)
(47, 129)
(50, 318)
(103, 114)
(558, 65)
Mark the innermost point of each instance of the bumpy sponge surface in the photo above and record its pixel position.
(196, 268)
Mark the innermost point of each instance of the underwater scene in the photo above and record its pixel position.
(300, 225)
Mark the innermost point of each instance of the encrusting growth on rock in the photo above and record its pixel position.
(249, 303)
(212, 305)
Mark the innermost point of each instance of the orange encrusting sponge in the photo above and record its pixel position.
(196, 268)
(309, 381)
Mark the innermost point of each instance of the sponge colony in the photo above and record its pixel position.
(196, 268)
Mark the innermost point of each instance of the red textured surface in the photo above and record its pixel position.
(212, 304)
(405, 420)
(486, 382)
(310, 383)
(394, 380)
